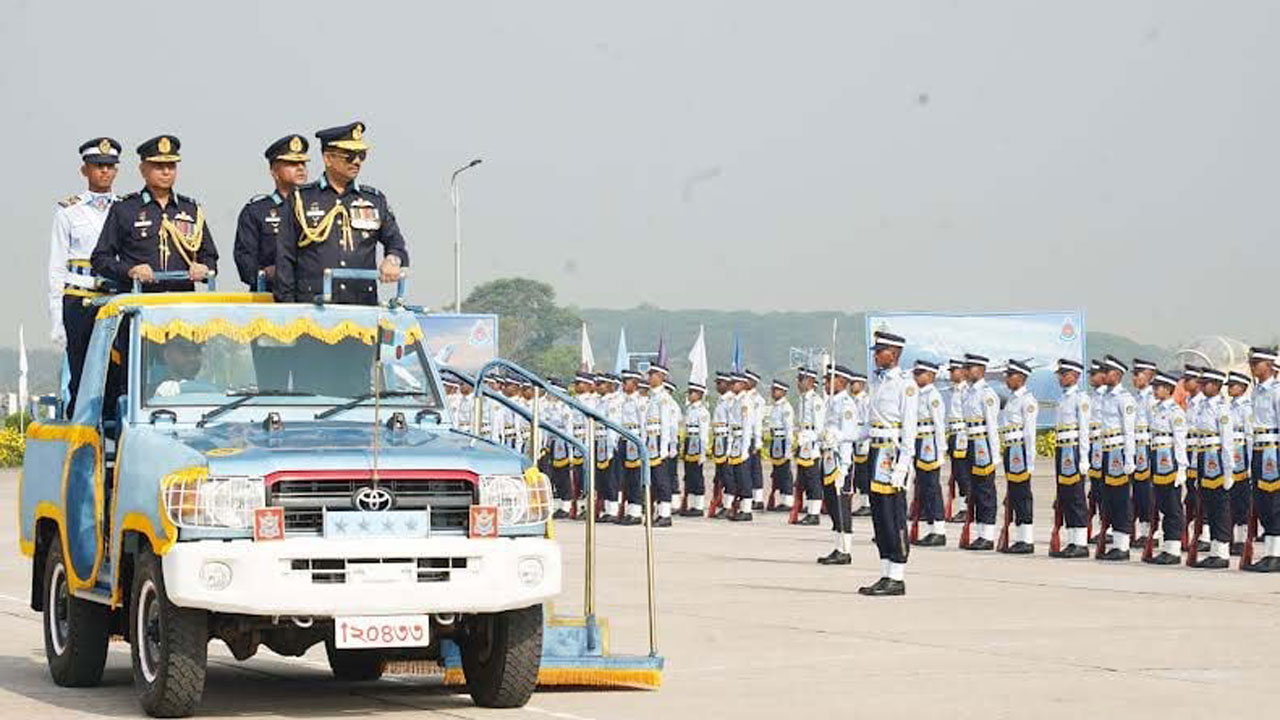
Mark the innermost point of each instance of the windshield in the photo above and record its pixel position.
(326, 365)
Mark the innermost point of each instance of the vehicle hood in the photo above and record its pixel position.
(246, 449)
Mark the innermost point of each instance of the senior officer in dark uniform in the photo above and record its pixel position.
(156, 229)
(259, 225)
(335, 223)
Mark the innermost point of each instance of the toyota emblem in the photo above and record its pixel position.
(373, 499)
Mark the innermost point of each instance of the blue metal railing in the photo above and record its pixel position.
(176, 276)
(331, 274)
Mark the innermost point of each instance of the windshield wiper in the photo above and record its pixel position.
(366, 397)
(244, 396)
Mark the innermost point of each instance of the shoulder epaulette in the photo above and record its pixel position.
(129, 196)
(310, 185)
(256, 198)
(70, 200)
(187, 198)
(370, 189)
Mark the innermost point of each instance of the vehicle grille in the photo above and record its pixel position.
(304, 500)
(338, 571)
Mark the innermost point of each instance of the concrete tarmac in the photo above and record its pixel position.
(752, 627)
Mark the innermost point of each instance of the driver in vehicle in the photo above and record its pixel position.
(182, 360)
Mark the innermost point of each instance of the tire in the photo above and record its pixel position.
(355, 665)
(76, 631)
(501, 653)
(170, 645)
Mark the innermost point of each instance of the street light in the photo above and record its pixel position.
(456, 196)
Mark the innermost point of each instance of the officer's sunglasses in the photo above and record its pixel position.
(352, 155)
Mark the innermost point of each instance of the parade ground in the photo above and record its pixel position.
(751, 627)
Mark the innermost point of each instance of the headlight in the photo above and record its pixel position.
(521, 500)
(192, 499)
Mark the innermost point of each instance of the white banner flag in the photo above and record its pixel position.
(22, 370)
(698, 359)
(588, 357)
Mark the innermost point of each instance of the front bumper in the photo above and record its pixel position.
(328, 577)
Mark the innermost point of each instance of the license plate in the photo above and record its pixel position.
(384, 524)
(359, 632)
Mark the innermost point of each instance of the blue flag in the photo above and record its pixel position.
(737, 354)
(623, 359)
(662, 351)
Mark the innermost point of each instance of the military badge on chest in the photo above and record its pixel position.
(365, 217)
(142, 224)
(272, 221)
(184, 223)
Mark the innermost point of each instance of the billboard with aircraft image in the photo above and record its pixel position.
(465, 342)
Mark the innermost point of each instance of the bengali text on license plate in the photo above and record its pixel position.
(385, 631)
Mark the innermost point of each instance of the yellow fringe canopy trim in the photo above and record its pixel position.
(117, 305)
(261, 327)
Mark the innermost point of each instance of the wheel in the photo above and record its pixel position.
(500, 656)
(354, 665)
(170, 645)
(76, 632)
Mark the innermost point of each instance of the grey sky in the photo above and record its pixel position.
(728, 155)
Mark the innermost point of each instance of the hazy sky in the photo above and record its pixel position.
(730, 155)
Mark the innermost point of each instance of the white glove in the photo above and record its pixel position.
(169, 388)
(899, 476)
(1130, 468)
(59, 336)
(807, 437)
(1180, 478)
(828, 438)
(1228, 481)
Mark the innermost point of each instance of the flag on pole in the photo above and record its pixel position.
(737, 353)
(22, 370)
(698, 359)
(662, 351)
(588, 357)
(623, 359)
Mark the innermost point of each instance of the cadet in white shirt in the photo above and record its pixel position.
(931, 448)
(982, 408)
(673, 415)
(77, 222)
(1142, 372)
(1241, 495)
(1265, 463)
(608, 443)
(957, 440)
(755, 467)
(1098, 397)
(811, 421)
(1071, 460)
(1168, 472)
(858, 490)
(659, 418)
(778, 437)
(632, 412)
(741, 430)
(892, 431)
(1119, 448)
(1212, 421)
(1018, 452)
(843, 428)
(697, 431)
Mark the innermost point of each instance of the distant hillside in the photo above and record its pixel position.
(767, 338)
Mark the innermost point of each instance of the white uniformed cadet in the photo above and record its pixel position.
(1097, 399)
(842, 429)
(741, 431)
(755, 467)
(931, 448)
(1142, 372)
(659, 419)
(982, 408)
(723, 478)
(1119, 449)
(1265, 463)
(957, 438)
(697, 433)
(778, 437)
(558, 461)
(608, 466)
(1241, 495)
(452, 399)
(632, 407)
(1212, 421)
(1071, 459)
(674, 414)
(1018, 451)
(1168, 425)
(810, 423)
(859, 489)
(77, 222)
(892, 431)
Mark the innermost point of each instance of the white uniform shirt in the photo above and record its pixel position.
(893, 407)
(1072, 421)
(697, 431)
(77, 223)
(782, 424)
(1018, 423)
(812, 420)
(930, 418)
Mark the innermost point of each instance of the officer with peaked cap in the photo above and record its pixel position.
(337, 222)
(755, 469)
(1142, 372)
(723, 478)
(982, 408)
(844, 427)
(810, 421)
(1215, 478)
(778, 434)
(1168, 426)
(1097, 397)
(77, 222)
(1018, 452)
(156, 229)
(697, 429)
(1265, 463)
(958, 436)
(258, 227)
(1119, 447)
(1071, 459)
(931, 448)
(1240, 406)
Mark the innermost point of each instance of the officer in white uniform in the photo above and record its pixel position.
(1168, 425)
(77, 222)
(957, 438)
(1119, 448)
(674, 414)
(844, 427)
(1265, 463)
(632, 412)
(859, 489)
(811, 422)
(892, 431)
(1241, 495)
(608, 443)
(931, 448)
(1142, 373)
(1071, 459)
(1212, 421)
(982, 408)
(697, 433)
(755, 468)
(778, 437)
(1018, 451)
(659, 419)
(742, 422)
(1098, 398)
(723, 477)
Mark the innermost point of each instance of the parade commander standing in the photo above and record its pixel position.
(335, 223)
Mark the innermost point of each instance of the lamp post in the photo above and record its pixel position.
(456, 196)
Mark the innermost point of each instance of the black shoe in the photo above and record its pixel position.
(1116, 554)
(559, 515)
(1213, 562)
(836, 558)
(781, 508)
(884, 587)
(931, 540)
(809, 520)
(980, 544)
(757, 504)
(1165, 558)
(630, 520)
(1237, 549)
(607, 519)
(1070, 552)
(1021, 548)
(863, 511)
(742, 517)
(959, 517)
(1268, 564)
(690, 512)
(662, 522)
(719, 513)
(1202, 546)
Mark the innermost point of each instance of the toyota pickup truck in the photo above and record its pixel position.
(281, 475)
